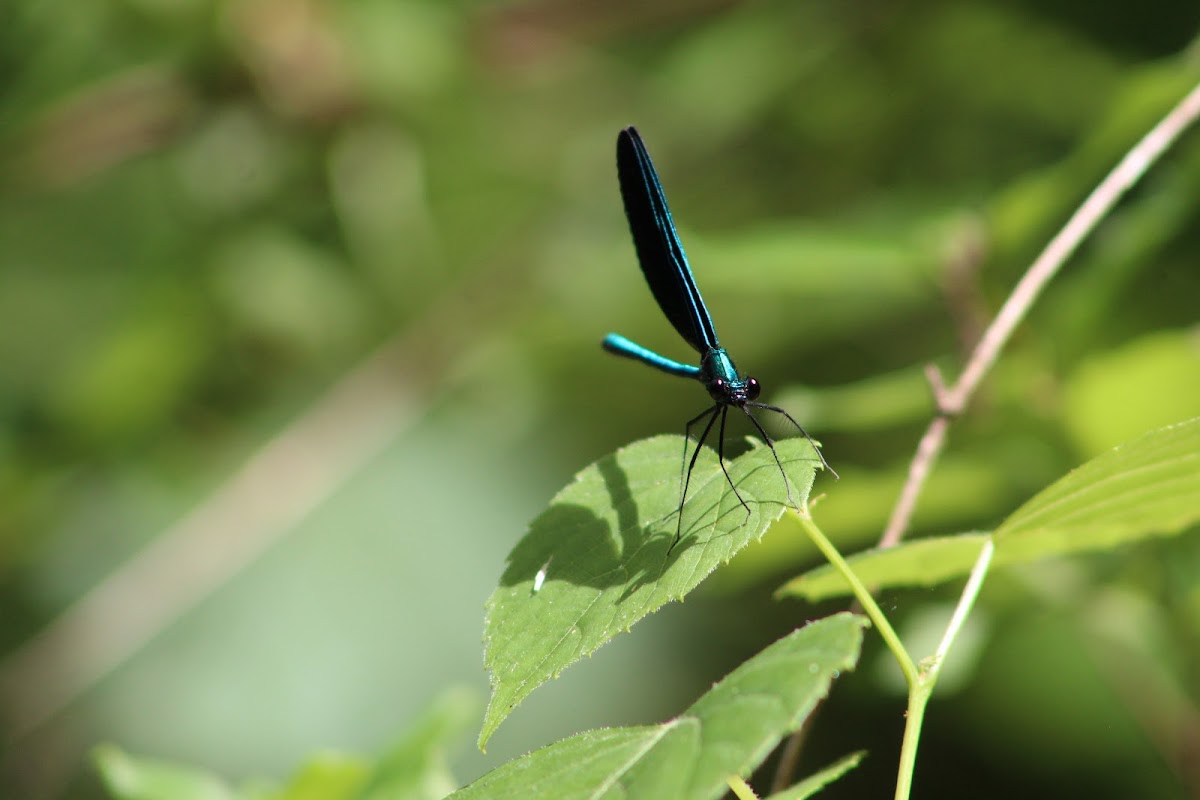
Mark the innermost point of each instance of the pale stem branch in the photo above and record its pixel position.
(965, 602)
(953, 400)
(921, 690)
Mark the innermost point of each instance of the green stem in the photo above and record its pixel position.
(741, 788)
(918, 698)
(920, 692)
(864, 597)
(920, 682)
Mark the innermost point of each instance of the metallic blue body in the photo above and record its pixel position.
(659, 251)
(666, 269)
(721, 378)
(618, 345)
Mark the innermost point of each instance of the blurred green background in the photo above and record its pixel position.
(301, 307)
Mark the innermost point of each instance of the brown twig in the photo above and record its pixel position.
(952, 400)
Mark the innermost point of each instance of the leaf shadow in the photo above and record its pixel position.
(576, 545)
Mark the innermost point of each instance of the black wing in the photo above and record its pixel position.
(658, 247)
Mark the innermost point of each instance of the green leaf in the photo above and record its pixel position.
(127, 777)
(819, 780)
(924, 562)
(1147, 487)
(728, 731)
(603, 545)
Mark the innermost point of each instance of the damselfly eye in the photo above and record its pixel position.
(752, 389)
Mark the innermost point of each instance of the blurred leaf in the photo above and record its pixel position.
(1148, 382)
(1026, 211)
(728, 731)
(326, 776)
(132, 380)
(233, 161)
(1135, 105)
(603, 543)
(403, 50)
(126, 777)
(819, 780)
(1062, 675)
(286, 291)
(880, 401)
(697, 83)
(415, 769)
(377, 182)
(1148, 487)
(1063, 76)
(822, 263)
(1135, 254)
